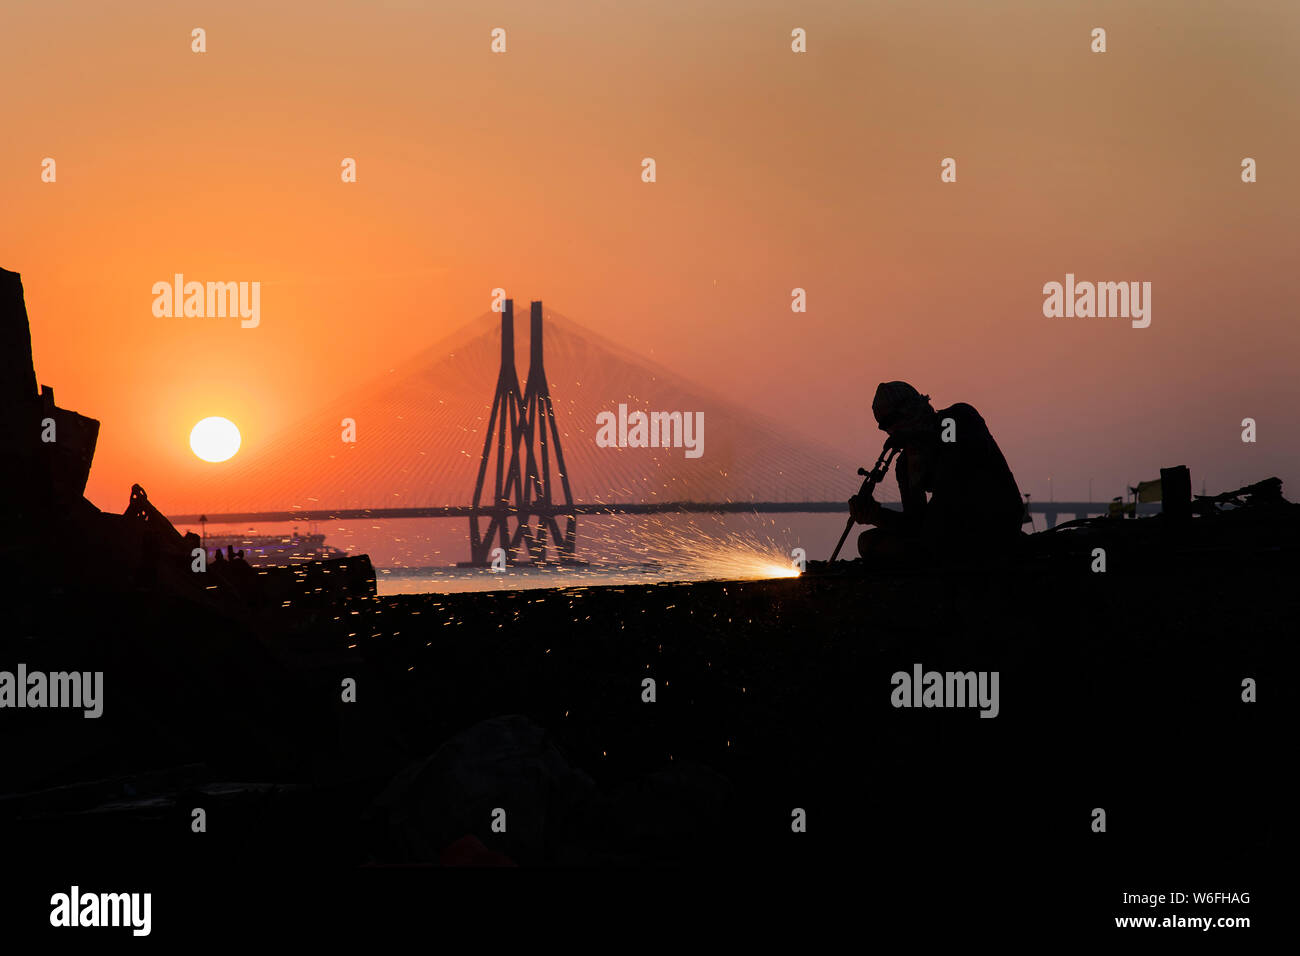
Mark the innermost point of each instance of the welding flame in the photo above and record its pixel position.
(735, 556)
(738, 562)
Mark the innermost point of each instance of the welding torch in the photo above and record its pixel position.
(873, 478)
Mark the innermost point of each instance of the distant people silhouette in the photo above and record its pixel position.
(973, 505)
(217, 557)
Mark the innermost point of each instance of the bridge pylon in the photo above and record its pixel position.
(540, 437)
(522, 438)
(502, 437)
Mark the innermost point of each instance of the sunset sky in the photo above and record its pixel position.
(775, 170)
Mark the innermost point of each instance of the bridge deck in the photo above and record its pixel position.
(1050, 508)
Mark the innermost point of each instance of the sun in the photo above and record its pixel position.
(215, 439)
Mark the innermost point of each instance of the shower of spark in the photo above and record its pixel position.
(692, 554)
(714, 560)
(623, 550)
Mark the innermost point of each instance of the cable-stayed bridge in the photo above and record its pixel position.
(525, 467)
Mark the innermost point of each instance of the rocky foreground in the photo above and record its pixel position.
(1120, 692)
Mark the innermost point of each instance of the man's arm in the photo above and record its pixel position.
(914, 504)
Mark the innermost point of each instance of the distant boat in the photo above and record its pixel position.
(263, 550)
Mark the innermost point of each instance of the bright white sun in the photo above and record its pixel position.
(215, 439)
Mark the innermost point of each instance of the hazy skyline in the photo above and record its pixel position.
(775, 170)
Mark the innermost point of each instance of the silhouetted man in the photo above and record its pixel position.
(974, 505)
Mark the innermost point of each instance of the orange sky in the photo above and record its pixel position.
(775, 170)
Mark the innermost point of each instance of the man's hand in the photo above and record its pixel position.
(864, 510)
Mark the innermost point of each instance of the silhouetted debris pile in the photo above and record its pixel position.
(58, 542)
(1250, 525)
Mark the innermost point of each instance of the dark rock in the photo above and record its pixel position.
(508, 763)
